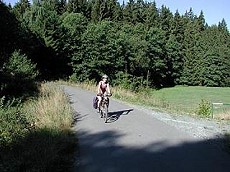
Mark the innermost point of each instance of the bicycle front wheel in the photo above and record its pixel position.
(106, 113)
(101, 112)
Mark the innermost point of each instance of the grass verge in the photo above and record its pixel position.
(47, 142)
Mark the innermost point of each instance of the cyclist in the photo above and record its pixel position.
(103, 87)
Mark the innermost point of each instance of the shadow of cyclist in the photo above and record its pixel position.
(114, 116)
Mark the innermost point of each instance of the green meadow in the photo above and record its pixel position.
(187, 99)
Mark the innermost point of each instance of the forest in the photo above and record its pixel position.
(135, 43)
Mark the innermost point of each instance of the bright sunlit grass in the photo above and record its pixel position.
(187, 99)
(51, 109)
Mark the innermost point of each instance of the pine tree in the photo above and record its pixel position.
(128, 11)
(174, 60)
(74, 25)
(61, 6)
(192, 50)
(118, 13)
(97, 52)
(166, 19)
(151, 15)
(95, 13)
(138, 12)
(201, 22)
(156, 53)
(43, 21)
(77, 6)
(9, 33)
(215, 62)
(20, 8)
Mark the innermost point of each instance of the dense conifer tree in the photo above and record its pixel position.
(135, 43)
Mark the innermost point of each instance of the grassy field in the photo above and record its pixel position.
(187, 99)
(179, 99)
(42, 140)
(190, 96)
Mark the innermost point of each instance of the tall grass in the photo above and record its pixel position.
(141, 98)
(51, 109)
(49, 144)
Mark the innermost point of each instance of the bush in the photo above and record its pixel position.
(204, 108)
(73, 78)
(128, 81)
(13, 123)
(47, 145)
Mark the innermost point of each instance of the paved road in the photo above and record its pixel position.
(137, 142)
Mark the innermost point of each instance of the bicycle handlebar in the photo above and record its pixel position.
(104, 95)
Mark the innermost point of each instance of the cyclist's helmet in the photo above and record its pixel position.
(105, 76)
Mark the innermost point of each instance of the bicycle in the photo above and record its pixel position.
(103, 108)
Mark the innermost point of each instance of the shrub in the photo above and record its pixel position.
(204, 108)
(13, 123)
(47, 145)
(128, 81)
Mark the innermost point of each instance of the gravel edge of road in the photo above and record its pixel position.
(197, 127)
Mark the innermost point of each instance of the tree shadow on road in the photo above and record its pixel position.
(114, 116)
(40, 150)
(78, 118)
(103, 152)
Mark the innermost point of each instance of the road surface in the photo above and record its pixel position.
(134, 141)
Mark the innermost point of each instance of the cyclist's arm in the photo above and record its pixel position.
(108, 89)
(99, 88)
